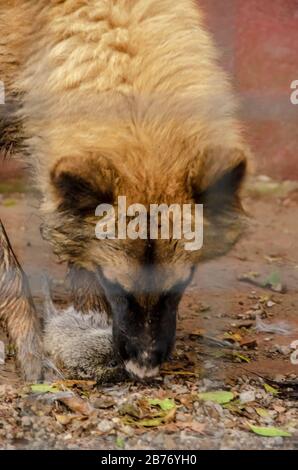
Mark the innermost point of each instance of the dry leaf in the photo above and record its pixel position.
(178, 372)
(64, 419)
(249, 343)
(104, 402)
(148, 412)
(186, 400)
(81, 384)
(77, 404)
(181, 425)
(192, 426)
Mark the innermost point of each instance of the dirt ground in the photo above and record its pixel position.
(217, 306)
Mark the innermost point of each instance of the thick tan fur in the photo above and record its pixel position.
(128, 96)
(17, 312)
(134, 82)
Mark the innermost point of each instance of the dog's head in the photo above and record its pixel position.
(143, 278)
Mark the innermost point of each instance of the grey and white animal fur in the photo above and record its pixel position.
(80, 344)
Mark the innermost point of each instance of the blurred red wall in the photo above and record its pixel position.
(259, 41)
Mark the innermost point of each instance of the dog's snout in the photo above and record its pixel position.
(144, 362)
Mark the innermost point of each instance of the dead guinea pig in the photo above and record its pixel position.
(80, 345)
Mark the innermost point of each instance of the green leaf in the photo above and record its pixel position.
(269, 431)
(220, 396)
(44, 388)
(263, 413)
(270, 389)
(273, 279)
(120, 443)
(241, 357)
(166, 404)
(9, 203)
(151, 412)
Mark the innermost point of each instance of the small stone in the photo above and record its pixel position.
(159, 439)
(285, 350)
(256, 307)
(204, 307)
(105, 426)
(104, 402)
(279, 378)
(208, 365)
(207, 384)
(247, 397)
(279, 441)
(128, 430)
(250, 410)
(219, 409)
(26, 421)
(182, 417)
(279, 409)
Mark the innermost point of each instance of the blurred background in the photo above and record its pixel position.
(259, 43)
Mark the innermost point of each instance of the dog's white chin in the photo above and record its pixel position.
(140, 371)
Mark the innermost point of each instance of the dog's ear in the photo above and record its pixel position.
(216, 177)
(80, 185)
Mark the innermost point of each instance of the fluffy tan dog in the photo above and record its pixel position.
(126, 97)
